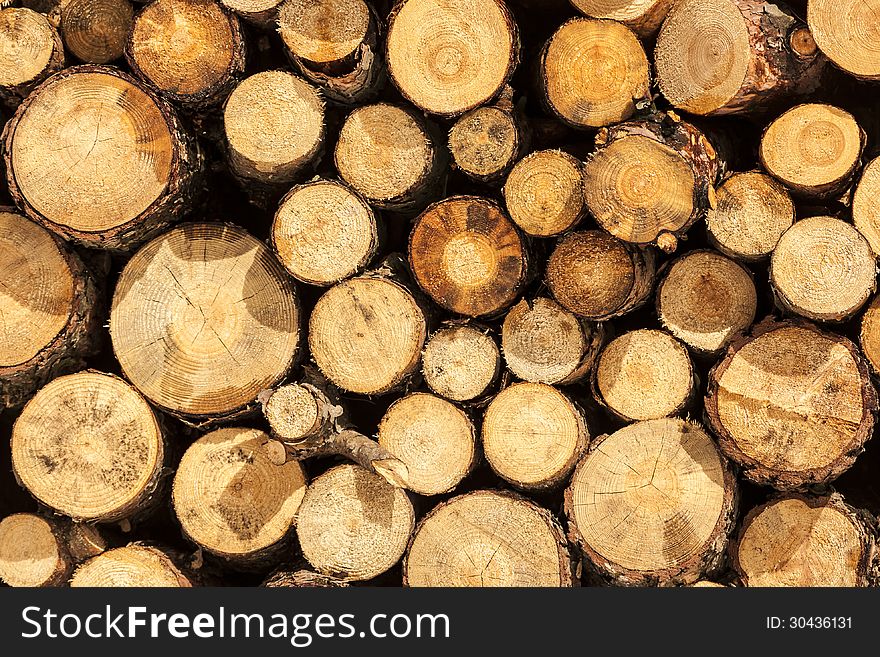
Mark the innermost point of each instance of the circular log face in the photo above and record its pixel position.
(488, 538)
(484, 142)
(27, 42)
(702, 54)
(92, 151)
(792, 406)
(130, 566)
(95, 30)
(467, 255)
(204, 318)
(449, 56)
(36, 289)
(544, 193)
(652, 500)
(89, 446)
(230, 498)
(593, 72)
(323, 31)
(848, 32)
(460, 362)
(802, 541)
(865, 209)
(30, 552)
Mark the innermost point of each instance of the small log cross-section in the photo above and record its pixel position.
(865, 209)
(545, 343)
(259, 12)
(32, 551)
(650, 180)
(134, 565)
(461, 362)
(468, 256)
(593, 72)
(434, 439)
(869, 337)
(49, 309)
(191, 51)
(274, 127)
(792, 405)
(489, 538)
(752, 211)
(233, 501)
(450, 56)
(386, 153)
(644, 375)
(823, 269)
(485, 142)
(644, 17)
(705, 300)
(324, 232)
(90, 447)
(544, 193)
(366, 334)
(653, 504)
(97, 158)
(728, 56)
(597, 276)
(813, 149)
(30, 51)
(95, 31)
(204, 318)
(848, 32)
(797, 540)
(533, 435)
(353, 524)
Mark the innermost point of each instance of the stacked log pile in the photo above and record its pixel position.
(439, 293)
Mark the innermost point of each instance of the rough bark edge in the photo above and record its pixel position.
(180, 194)
(68, 350)
(12, 96)
(376, 237)
(567, 561)
(868, 568)
(784, 480)
(206, 98)
(695, 150)
(706, 564)
(680, 408)
(663, 274)
(513, 30)
(300, 576)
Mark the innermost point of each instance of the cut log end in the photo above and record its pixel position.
(823, 269)
(593, 72)
(386, 154)
(323, 32)
(134, 565)
(295, 413)
(533, 435)
(232, 500)
(95, 31)
(847, 32)
(792, 406)
(652, 504)
(865, 209)
(30, 51)
(90, 447)
(644, 17)
(597, 276)
(751, 213)
(353, 524)
(468, 256)
(366, 334)
(461, 363)
(190, 50)
(32, 553)
(706, 299)
(262, 13)
(274, 127)
(813, 149)
(440, 70)
(545, 343)
(869, 338)
(544, 193)
(644, 375)
(805, 541)
(324, 232)
(204, 318)
(488, 538)
(485, 142)
(433, 438)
